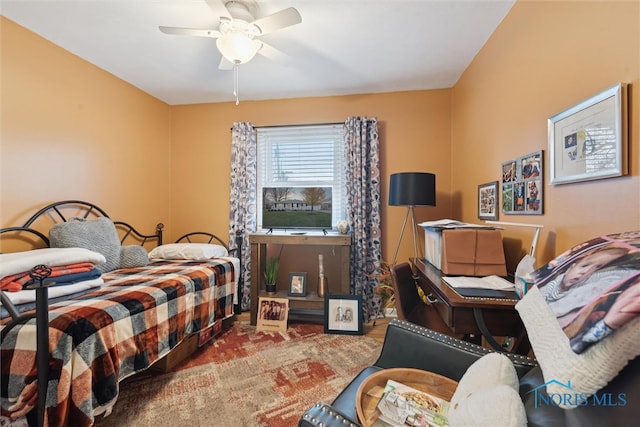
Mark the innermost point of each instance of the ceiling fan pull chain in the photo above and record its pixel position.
(235, 82)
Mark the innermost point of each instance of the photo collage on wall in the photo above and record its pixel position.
(522, 185)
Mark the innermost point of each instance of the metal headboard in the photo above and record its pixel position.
(57, 212)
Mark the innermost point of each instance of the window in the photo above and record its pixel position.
(296, 157)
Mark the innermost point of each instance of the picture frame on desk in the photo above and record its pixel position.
(589, 140)
(343, 314)
(297, 284)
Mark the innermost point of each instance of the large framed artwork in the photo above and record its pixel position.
(589, 140)
(523, 185)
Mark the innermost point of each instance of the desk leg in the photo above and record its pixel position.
(477, 314)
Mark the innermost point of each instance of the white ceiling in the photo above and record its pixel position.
(341, 47)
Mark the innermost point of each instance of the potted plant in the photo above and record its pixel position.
(384, 290)
(271, 273)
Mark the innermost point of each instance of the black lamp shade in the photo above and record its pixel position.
(412, 189)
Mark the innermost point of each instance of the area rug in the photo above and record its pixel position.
(246, 378)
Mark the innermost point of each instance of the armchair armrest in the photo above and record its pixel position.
(407, 345)
(324, 415)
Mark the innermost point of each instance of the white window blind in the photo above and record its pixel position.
(302, 156)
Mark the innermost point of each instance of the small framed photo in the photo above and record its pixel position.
(589, 140)
(343, 314)
(509, 173)
(488, 200)
(273, 314)
(297, 284)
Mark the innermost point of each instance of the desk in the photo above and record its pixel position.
(488, 317)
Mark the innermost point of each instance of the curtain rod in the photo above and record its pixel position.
(303, 124)
(299, 125)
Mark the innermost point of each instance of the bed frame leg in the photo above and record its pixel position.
(38, 274)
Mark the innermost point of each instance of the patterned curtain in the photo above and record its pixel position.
(242, 212)
(362, 160)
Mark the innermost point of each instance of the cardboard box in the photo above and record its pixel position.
(465, 251)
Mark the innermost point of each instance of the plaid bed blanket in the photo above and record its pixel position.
(100, 338)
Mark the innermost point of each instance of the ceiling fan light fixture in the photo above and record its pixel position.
(237, 47)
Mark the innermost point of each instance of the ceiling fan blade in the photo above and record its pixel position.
(272, 53)
(219, 9)
(278, 20)
(190, 32)
(225, 64)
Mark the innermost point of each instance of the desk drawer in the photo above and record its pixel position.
(444, 310)
(459, 320)
(440, 304)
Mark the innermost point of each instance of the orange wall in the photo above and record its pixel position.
(414, 133)
(89, 135)
(544, 58)
(73, 131)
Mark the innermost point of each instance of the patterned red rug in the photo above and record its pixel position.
(246, 378)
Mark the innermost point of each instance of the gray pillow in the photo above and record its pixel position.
(133, 256)
(98, 235)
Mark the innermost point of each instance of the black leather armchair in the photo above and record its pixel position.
(412, 346)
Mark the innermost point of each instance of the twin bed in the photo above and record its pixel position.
(100, 335)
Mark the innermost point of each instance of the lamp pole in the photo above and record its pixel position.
(410, 212)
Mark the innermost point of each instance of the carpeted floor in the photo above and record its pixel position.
(246, 378)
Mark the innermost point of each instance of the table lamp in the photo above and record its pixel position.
(411, 189)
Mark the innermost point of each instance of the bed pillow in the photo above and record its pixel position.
(133, 256)
(189, 251)
(490, 379)
(98, 235)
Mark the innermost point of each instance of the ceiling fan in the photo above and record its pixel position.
(238, 30)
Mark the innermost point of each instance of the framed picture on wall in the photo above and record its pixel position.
(589, 140)
(488, 200)
(522, 185)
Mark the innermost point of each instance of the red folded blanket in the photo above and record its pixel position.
(15, 282)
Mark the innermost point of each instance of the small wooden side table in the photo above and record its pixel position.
(310, 306)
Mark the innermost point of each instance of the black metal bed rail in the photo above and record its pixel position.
(87, 207)
(144, 238)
